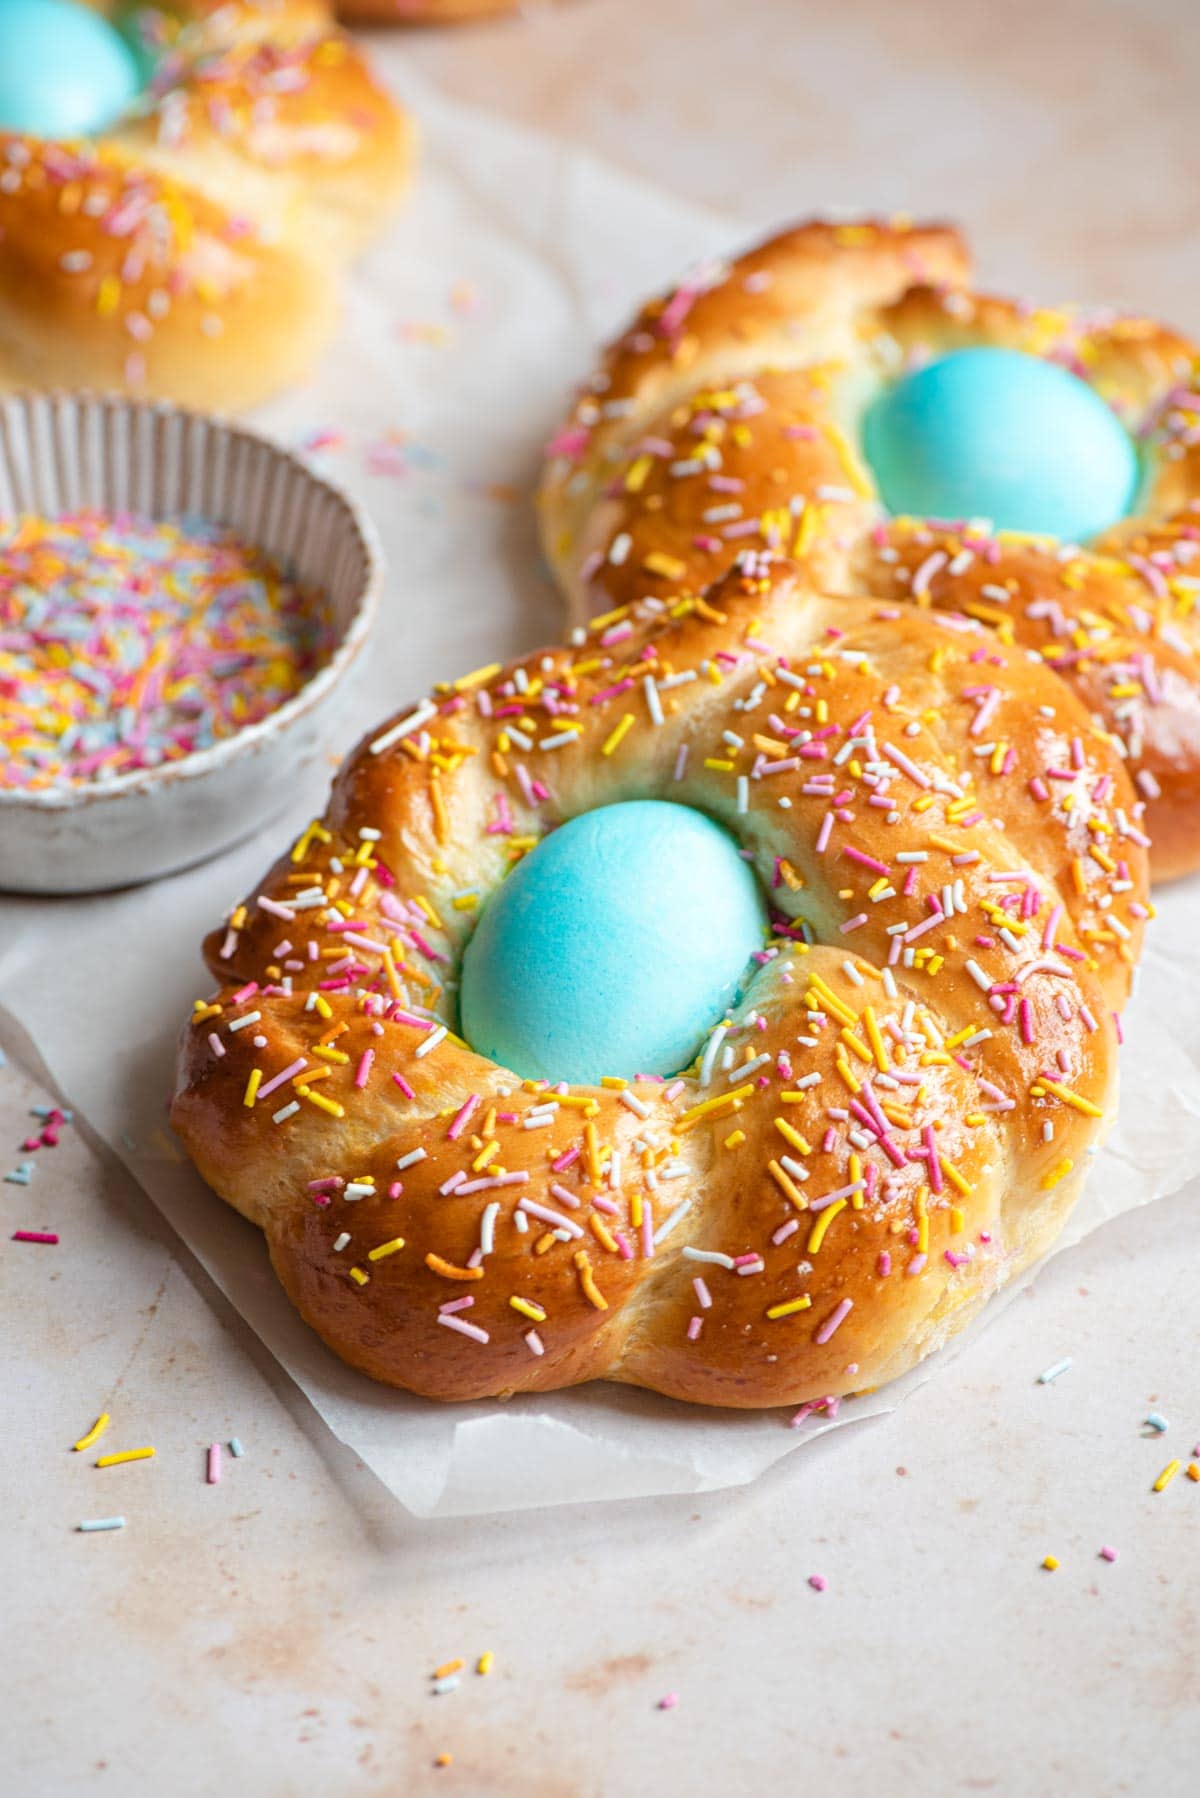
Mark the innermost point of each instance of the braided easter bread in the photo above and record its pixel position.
(731, 414)
(893, 1119)
(191, 250)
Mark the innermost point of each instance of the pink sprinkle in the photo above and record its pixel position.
(214, 1464)
(453, 1305)
(395, 1189)
(277, 1080)
(569, 1199)
(853, 924)
(916, 1265)
(785, 1230)
(671, 1699)
(215, 1044)
(695, 1325)
(564, 1160)
(405, 1088)
(1107, 1553)
(884, 1264)
(818, 1582)
(460, 1119)
(34, 1236)
(835, 1318)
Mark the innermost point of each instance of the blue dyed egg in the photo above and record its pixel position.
(613, 946)
(996, 434)
(64, 71)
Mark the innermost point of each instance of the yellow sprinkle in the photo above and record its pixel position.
(670, 567)
(793, 1305)
(787, 1186)
(1056, 1174)
(718, 765)
(1167, 1475)
(441, 822)
(824, 1219)
(591, 1146)
(476, 679)
(955, 1178)
(602, 1233)
(587, 1280)
(488, 1153)
(108, 296)
(448, 1271)
(831, 1002)
(386, 1248)
(793, 1136)
(614, 1082)
(1073, 1099)
(720, 1103)
(617, 736)
(358, 1276)
(857, 1045)
(203, 1012)
(322, 1005)
(147, 1454)
(635, 474)
(252, 1086)
(635, 1210)
(957, 1221)
(328, 1054)
(321, 1102)
(875, 1038)
(1050, 1563)
(485, 1662)
(527, 1309)
(94, 1434)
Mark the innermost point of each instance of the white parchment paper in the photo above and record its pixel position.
(463, 332)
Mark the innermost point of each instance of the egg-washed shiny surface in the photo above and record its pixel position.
(613, 946)
(1001, 435)
(64, 71)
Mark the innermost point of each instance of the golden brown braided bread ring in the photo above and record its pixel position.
(893, 1123)
(729, 415)
(193, 251)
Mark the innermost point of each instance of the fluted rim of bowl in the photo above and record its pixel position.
(199, 762)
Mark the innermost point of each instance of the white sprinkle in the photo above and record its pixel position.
(339, 1242)
(670, 1221)
(1052, 1373)
(431, 1042)
(709, 1255)
(487, 1227)
(359, 1189)
(415, 721)
(634, 1104)
(285, 1111)
(251, 1017)
(464, 1329)
(410, 1160)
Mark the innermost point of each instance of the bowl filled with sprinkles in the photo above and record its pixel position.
(180, 600)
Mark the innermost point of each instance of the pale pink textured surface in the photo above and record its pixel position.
(274, 1634)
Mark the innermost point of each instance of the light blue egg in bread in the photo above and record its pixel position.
(613, 946)
(996, 434)
(64, 71)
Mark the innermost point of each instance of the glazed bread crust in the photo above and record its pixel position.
(729, 415)
(892, 1123)
(193, 252)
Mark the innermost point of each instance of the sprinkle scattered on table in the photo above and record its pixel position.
(125, 1454)
(91, 1524)
(1050, 1563)
(94, 1434)
(1053, 1373)
(1157, 1422)
(49, 1236)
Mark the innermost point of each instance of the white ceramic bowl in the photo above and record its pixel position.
(63, 453)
